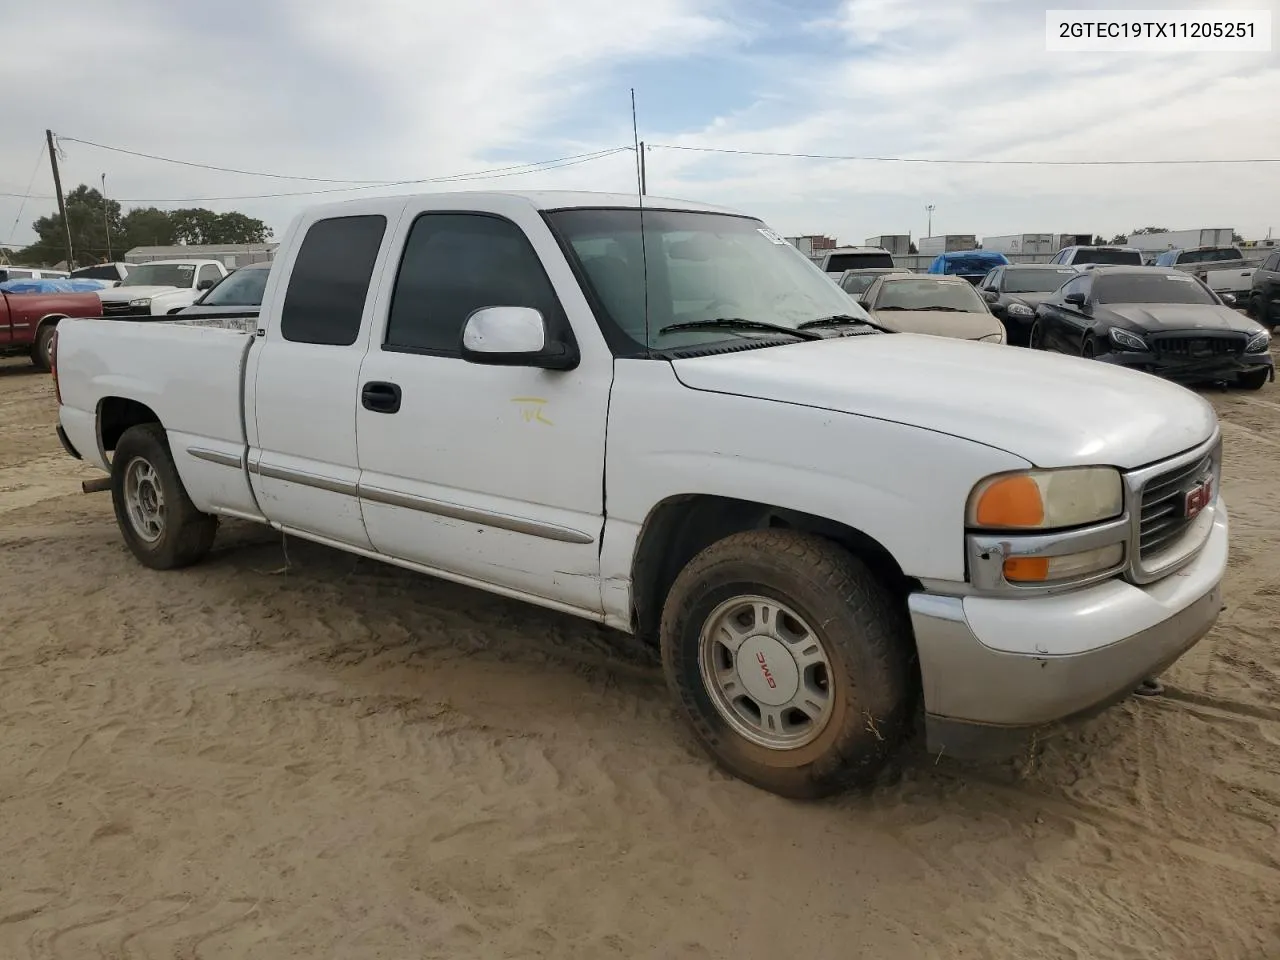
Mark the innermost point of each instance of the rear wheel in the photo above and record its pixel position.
(1035, 339)
(42, 349)
(160, 524)
(1253, 380)
(790, 661)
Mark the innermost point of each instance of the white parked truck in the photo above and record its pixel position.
(1183, 239)
(946, 243)
(819, 523)
(1023, 243)
(160, 287)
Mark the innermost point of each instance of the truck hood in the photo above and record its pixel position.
(939, 323)
(1049, 409)
(125, 294)
(1159, 317)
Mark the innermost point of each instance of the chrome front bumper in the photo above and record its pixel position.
(997, 671)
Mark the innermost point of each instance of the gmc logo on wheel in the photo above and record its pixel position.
(768, 674)
(1198, 498)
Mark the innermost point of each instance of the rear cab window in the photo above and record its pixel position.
(329, 281)
(840, 262)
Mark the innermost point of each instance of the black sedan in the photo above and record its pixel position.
(1154, 319)
(1013, 292)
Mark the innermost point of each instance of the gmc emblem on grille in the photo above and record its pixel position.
(1198, 498)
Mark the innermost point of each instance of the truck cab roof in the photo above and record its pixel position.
(540, 200)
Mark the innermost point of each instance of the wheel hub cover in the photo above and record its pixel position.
(768, 670)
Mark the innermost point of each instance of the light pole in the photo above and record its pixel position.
(106, 218)
(929, 209)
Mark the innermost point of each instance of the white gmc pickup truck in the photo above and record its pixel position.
(698, 438)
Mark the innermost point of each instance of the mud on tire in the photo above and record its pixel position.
(819, 592)
(160, 524)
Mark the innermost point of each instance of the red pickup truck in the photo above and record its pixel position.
(27, 321)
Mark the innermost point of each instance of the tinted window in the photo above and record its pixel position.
(840, 262)
(106, 271)
(241, 289)
(1130, 258)
(161, 275)
(330, 280)
(1036, 281)
(1151, 288)
(454, 264)
(858, 283)
(15, 275)
(1273, 263)
(209, 273)
(1211, 255)
(1078, 285)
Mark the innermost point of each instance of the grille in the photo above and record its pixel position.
(1196, 348)
(1163, 500)
(122, 309)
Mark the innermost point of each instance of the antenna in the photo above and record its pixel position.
(644, 252)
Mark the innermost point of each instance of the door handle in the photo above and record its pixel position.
(380, 397)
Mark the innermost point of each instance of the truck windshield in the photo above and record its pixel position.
(1150, 288)
(700, 267)
(160, 275)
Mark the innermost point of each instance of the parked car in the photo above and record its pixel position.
(1012, 292)
(112, 272)
(238, 292)
(938, 306)
(972, 265)
(1092, 256)
(816, 528)
(8, 272)
(856, 282)
(1264, 296)
(1157, 320)
(28, 320)
(161, 287)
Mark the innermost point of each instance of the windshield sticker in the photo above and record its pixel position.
(1180, 277)
(770, 235)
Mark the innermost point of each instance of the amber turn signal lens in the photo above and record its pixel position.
(1026, 569)
(1011, 502)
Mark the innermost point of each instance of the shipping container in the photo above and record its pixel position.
(1064, 240)
(1028, 243)
(947, 243)
(898, 244)
(1183, 239)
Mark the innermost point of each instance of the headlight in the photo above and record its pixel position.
(140, 302)
(1046, 499)
(992, 338)
(1126, 340)
(1020, 310)
(1258, 343)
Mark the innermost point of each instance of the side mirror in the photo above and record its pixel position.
(1076, 298)
(514, 337)
(205, 285)
(1229, 299)
(990, 296)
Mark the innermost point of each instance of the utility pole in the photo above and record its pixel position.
(644, 183)
(929, 210)
(62, 204)
(106, 220)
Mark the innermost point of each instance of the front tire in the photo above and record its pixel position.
(160, 524)
(1087, 349)
(1253, 380)
(1035, 339)
(791, 662)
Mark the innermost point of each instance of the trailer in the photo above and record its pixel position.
(898, 244)
(1064, 240)
(1183, 239)
(947, 243)
(1027, 243)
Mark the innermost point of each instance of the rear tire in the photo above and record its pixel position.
(42, 349)
(815, 692)
(160, 524)
(1253, 380)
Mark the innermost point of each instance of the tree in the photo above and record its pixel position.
(98, 228)
(911, 247)
(1119, 239)
(1144, 230)
(1098, 241)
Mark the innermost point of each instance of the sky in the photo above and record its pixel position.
(385, 90)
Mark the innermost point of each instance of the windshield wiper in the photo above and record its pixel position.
(741, 324)
(841, 319)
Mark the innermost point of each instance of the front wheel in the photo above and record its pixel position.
(1088, 350)
(160, 524)
(790, 660)
(1253, 380)
(1035, 339)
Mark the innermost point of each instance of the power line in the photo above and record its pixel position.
(488, 174)
(1032, 163)
(30, 183)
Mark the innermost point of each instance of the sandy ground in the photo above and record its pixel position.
(295, 753)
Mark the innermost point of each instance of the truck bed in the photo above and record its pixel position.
(190, 375)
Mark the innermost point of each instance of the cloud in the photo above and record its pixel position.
(399, 89)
